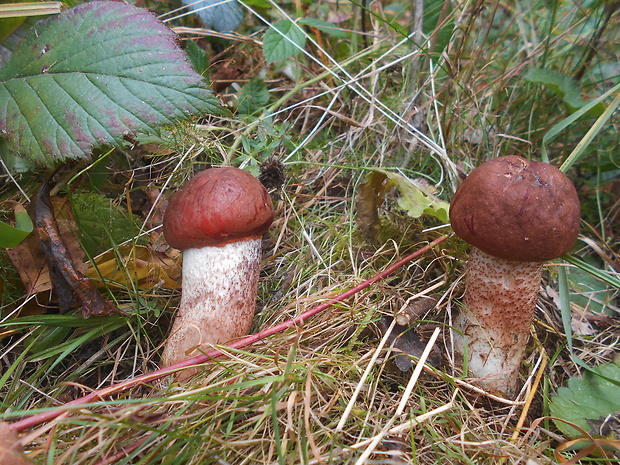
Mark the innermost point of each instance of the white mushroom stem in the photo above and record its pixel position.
(500, 299)
(218, 299)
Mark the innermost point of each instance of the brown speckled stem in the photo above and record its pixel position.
(500, 299)
(218, 299)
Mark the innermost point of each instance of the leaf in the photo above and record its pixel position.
(409, 343)
(283, 40)
(592, 133)
(585, 400)
(325, 26)
(28, 257)
(12, 236)
(264, 4)
(418, 197)
(102, 224)
(370, 196)
(564, 87)
(68, 281)
(432, 14)
(589, 292)
(253, 96)
(219, 15)
(137, 266)
(199, 58)
(92, 76)
(11, 450)
(8, 26)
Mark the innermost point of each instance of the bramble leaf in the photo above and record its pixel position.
(92, 76)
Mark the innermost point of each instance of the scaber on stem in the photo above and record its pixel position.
(516, 214)
(217, 219)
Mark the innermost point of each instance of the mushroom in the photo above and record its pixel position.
(217, 220)
(516, 214)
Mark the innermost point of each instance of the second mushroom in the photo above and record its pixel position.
(516, 214)
(217, 219)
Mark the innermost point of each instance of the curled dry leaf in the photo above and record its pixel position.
(52, 258)
(68, 281)
(410, 343)
(370, 196)
(416, 309)
(140, 265)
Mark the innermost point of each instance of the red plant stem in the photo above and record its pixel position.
(39, 418)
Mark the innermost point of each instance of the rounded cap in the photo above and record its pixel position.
(516, 209)
(215, 207)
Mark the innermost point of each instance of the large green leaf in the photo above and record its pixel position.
(92, 76)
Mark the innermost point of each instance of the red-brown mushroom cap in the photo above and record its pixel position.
(215, 207)
(516, 209)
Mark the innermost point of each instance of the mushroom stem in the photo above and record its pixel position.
(218, 298)
(500, 300)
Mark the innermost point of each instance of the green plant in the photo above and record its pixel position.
(94, 75)
(384, 92)
(589, 402)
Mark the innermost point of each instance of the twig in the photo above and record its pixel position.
(403, 401)
(157, 374)
(360, 384)
(407, 425)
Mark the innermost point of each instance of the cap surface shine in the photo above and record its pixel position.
(516, 209)
(215, 207)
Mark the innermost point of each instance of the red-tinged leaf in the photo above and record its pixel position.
(91, 76)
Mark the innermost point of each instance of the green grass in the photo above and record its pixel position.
(339, 109)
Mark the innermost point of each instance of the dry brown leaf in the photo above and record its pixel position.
(29, 259)
(70, 284)
(370, 196)
(30, 263)
(11, 450)
(411, 345)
